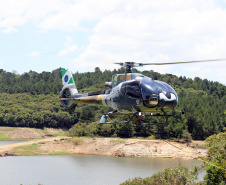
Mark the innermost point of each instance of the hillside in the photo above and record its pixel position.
(31, 100)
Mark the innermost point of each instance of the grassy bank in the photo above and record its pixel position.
(19, 133)
(3, 137)
(35, 149)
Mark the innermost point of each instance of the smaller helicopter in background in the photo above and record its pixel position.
(131, 94)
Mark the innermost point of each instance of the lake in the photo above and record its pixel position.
(9, 142)
(81, 169)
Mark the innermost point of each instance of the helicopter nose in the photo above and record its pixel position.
(167, 101)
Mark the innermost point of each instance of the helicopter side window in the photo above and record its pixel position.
(123, 88)
(131, 89)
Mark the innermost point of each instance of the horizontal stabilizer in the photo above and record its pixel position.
(103, 119)
(66, 99)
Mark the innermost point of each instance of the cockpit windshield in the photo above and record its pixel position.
(148, 88)
(154, 87)
(154, 91)
(166, 91)
(170, 88)
(150, 92)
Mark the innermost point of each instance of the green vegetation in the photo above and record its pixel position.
(60, 133)
(59, 153)
(216, 169)
(3, 137)
(76, 140)
(118, 141)
(34, 149)
(198, 145)
(5, 129)
(57, 132)
(31, 100)
(178, 175)
(39, 111)
(186, 136)
(28, 150)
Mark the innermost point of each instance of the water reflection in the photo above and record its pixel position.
(77, 169)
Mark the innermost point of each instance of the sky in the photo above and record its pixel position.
(80, 35)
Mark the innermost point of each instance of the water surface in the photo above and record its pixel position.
(9, 142)
(80, 169)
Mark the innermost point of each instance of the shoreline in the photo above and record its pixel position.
(54, 144)
(117, 147)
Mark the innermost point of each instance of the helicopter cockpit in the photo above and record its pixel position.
(155, 92)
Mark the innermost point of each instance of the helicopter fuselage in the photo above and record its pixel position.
(129, 93)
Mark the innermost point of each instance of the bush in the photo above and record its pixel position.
(216, 174)
(170, 176)
(186, 136)
(84, 129)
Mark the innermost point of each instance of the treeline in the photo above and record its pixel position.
(50, 82)
(31, 82)
(31, 99)
(38, 111)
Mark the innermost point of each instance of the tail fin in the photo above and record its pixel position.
(67, 78)
(69, 90)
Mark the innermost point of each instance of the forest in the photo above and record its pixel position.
(31, 100)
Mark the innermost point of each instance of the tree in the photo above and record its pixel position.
(216, 168)
(186, 136)
(170, 176)
(87, 113)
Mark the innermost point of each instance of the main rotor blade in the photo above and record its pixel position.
(108, 62)
(194, 61)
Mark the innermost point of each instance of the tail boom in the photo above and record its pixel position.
(69, 96)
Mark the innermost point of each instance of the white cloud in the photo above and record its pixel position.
(178, 74)
(1, 62)
(62, 53)
(69, 19)
(158, 31)
(9, 30)
(132, 30)
(54, 14)
(34, 53)
(14, 14)
(72, 48)
(69, 48)
(214, 71)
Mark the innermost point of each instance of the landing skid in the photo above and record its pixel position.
(144, 122)
(110, 114)
(135, 117)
